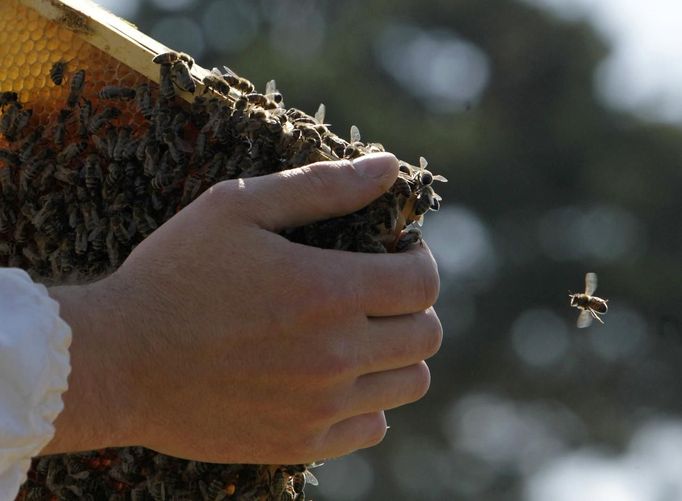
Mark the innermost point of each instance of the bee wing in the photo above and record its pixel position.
(423, 163)
(590, 283)
(584, 319)
(228, 71)
(320, 113)
(310, 478)
(270, 87)
(354, 134)
(440, 178)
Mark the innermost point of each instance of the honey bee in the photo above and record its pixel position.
(92, 172)
(102, 118)
(71, 152)
(57, 72)
(217, 83)
(407, 238)
(590, 306)
(144, 222)
(60, 128)
(143, 99)
(77, 82)
(115, 92)
(181, 76)
(28, 172)
(14, 119)
(239, 83)
(425, 176)
(8, 97)
(260, 100)
(166, 86)
(402, 187)
(172, 57)
(125, 145)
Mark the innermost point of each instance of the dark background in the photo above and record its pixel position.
(545, 184)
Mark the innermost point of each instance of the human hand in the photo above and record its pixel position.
(219, 340)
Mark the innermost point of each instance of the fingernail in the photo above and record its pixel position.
(375, 165)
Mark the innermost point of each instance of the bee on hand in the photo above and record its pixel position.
(590, 306)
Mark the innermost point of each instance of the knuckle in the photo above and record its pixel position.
(220, 195)
(330, 366)
(325, 412)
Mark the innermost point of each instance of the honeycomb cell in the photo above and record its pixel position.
(31, 44)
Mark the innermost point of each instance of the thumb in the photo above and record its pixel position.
(318, 191)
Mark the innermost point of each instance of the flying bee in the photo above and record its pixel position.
(590, 306)
(77, 82)
(115, 92)
(57, 72)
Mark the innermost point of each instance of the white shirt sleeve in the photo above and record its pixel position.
(34, 366)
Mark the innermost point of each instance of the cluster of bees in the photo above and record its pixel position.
(77, 195)
(138, 474)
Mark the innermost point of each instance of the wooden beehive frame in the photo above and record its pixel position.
(110, 34)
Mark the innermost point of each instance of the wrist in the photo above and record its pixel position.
(98, 405)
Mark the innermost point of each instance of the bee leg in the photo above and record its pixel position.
(594, 314)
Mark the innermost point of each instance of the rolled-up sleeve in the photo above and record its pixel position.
(34, 366)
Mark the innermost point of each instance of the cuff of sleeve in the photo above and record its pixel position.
(34, 367)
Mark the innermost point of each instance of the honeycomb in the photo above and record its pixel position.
(30, 45)
(74, 205)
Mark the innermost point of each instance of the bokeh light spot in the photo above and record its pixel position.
(447, 72)
(539, 337)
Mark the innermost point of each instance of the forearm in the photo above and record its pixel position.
(96, 404)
